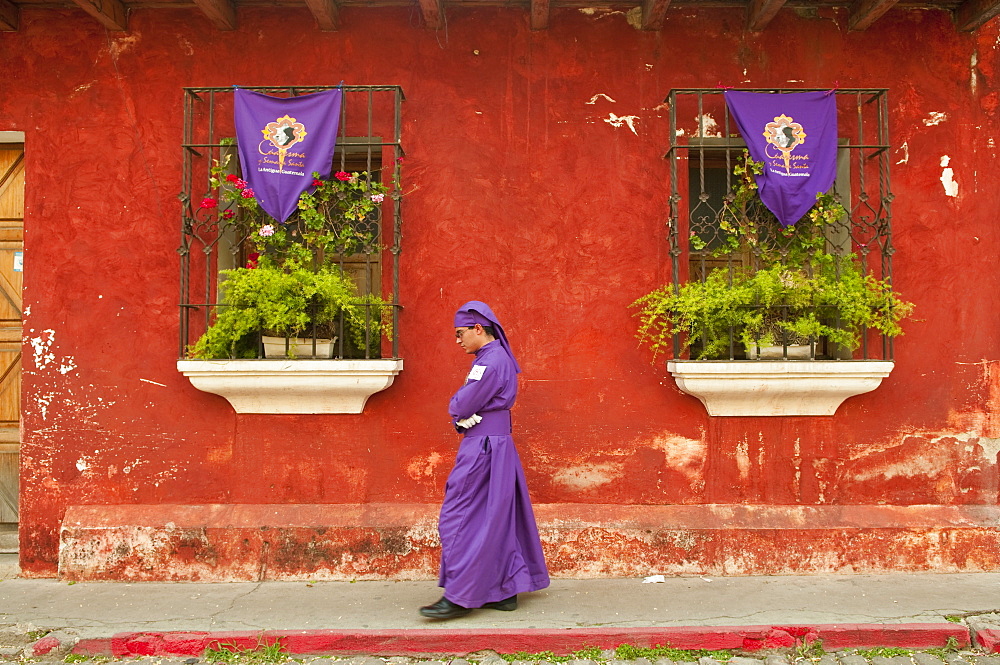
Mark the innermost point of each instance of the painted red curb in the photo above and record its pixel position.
(988, 640)
(558, 641)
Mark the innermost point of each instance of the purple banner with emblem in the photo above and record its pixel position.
(795, 136)
(282, 141)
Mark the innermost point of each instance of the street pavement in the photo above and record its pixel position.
(760, 618)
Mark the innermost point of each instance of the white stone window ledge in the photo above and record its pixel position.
(777, 387)
(292, 386)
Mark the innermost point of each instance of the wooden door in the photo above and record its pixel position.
(11, 264)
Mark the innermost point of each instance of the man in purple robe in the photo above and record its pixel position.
(490, 549)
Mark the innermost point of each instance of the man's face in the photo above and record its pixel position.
(471, 339)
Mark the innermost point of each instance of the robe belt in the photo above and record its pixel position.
(495, 423)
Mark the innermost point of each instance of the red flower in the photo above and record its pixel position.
(228, 214)
(231, 177)
(317, 182)
(252, 259)
(342, 176)
(209, 202)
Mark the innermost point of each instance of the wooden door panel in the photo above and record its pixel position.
(11, 261)
(8, 482)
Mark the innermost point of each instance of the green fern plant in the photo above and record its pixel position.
(792, 291)
(288, 302)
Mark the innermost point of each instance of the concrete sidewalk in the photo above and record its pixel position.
(744, 613)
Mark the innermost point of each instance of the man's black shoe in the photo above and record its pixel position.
(444, 609)
(506, 605)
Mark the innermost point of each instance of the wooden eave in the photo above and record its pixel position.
(973, 13)
(760, 13)
(222, 13)
(540, 10)
(653, 14)
(968, 15)
(326, 13)
(9, 16)
(112, 14)
(433, 12)
(866, 12)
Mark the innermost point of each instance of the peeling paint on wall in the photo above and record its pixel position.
(593, 100)
(618, 121)
(123, 45)
(602, 12)
(41, 345)
(42, 354)
(972, 73)
(707, 126)
(935, 118)
(682, 456)
(905, 149)
(743, 458)
(931, 460)
(588, 476)
(423, 466)
(948, 177)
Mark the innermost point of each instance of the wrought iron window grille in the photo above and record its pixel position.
(704, 148)
(369, 139)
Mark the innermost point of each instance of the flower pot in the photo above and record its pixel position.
(795, 352)
(298, 347)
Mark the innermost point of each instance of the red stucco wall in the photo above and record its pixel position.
(523, 196)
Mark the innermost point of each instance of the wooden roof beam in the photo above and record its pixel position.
(8, 16)
(222, 13)
(540, 14)
(973, 13)
(326, 14)
(433, 12)
(760, 13)
(112, 14)
(653, 13)
(866, 12)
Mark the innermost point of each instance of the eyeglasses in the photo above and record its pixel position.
(459, 333)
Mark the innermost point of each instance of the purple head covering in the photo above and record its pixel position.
(474, 312)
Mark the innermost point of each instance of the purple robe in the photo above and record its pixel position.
(490, 549)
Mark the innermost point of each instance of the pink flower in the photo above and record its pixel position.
(399, 160)
(342, 176)
(378, 198)
(209, 202)
(247, 193)
(317, 182)
(266, 231)
(240, 184)
(228, 214)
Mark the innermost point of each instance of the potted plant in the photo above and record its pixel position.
(291, 287)
(792, 289)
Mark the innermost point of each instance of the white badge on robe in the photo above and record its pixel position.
(476, 372)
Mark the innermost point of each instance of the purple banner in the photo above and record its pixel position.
(795, 136)
(282, 141)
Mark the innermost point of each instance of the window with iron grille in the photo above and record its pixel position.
(212, 243)
(706, 155)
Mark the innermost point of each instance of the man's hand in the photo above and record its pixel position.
(471, 421)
